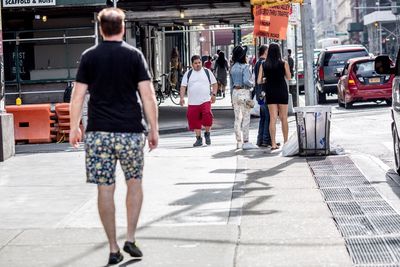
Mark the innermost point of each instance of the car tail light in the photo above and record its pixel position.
(300, 76)
(321, 73)
(352, 82)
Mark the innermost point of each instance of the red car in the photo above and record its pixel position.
(359, 82)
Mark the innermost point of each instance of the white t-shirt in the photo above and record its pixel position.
(199, 87)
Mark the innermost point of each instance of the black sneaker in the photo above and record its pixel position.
(199, 141)
(132, 249)
(115, 258)
(207, 137)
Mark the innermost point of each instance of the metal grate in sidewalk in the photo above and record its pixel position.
(365, 193)
(386, 224)
(355, 226)
(345, 208)
(337, 194)
(369, 250)
(370, 226)
(378, 207)
(328, 181)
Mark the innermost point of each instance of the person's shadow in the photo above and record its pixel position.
(130, 262)
(125, 264)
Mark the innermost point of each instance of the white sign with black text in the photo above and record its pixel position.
(27, 3)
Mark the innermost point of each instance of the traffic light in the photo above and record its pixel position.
(396, 7)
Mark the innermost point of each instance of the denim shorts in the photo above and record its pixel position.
(104, 149)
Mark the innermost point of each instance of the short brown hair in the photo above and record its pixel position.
(111, 21)
(195, 57)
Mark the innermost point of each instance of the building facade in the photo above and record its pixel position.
(344, 17)
(325, 19)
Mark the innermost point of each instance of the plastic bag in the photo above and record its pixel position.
(336, 149)
(291, 147)
(255, 111)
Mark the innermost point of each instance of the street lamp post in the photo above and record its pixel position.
(308, 52)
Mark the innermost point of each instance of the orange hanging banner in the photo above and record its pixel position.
(271, 22)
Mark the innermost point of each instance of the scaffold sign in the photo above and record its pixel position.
(271, 22)
(25, 3)
(270, 3)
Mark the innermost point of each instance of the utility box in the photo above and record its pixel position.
(313, 130)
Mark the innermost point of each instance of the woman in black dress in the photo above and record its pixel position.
(275, 70)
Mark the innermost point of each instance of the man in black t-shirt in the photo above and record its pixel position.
(115, 73)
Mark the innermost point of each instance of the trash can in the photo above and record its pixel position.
(313, 128)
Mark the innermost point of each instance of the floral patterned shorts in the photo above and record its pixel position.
(103, 149)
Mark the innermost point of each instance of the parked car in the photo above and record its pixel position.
(330, 61)
(384, 66)
(316, 55)
(359, 82)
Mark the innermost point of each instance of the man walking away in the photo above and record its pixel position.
(198, 81)
(263, 137)
(290, 62)
(116, 75)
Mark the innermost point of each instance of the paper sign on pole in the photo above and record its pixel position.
(270, 3)
(271, 22)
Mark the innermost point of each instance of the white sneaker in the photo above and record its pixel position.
(248, 146)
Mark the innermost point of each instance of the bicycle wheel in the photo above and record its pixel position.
(175, 96)
(159, 100)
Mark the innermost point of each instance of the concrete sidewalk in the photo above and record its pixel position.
(210, 206)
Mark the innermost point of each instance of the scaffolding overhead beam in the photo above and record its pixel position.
(239, 13)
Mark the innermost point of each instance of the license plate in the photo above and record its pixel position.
(374, 80)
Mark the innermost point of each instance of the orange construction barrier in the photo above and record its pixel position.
(32, 123)
(62, 112)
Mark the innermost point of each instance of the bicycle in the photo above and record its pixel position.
(170, 90)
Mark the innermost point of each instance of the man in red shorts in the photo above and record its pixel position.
(198, 82)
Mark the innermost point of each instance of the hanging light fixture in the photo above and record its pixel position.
(182, 14)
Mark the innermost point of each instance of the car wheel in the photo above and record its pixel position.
(389, 102)
(321, 97)
(396, 148)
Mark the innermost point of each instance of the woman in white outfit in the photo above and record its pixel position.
(241, 83)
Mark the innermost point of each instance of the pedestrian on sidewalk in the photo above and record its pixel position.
(221, 71)
(116, 75)
(263, 137)
(290, 62)
(242, 102)
(201, 87)
(275, 70)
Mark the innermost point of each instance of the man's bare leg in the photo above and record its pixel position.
(106, 206)
(134, 199)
